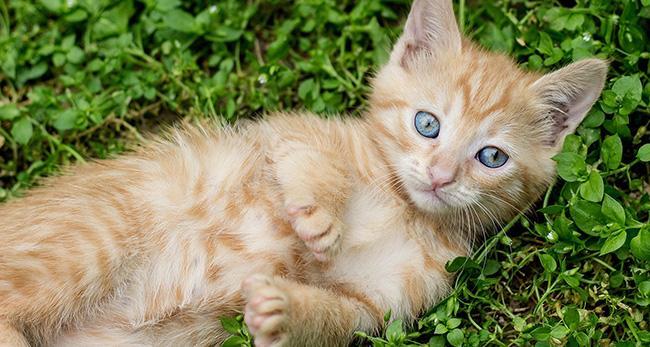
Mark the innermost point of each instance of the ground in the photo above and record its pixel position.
(84, 79)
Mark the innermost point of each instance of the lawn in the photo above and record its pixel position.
(85, 79)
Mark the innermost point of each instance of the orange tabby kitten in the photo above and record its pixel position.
(312, 227)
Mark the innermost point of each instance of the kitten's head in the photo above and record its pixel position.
(466, 129)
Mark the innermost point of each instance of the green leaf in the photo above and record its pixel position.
(612, 151)
(613, 210)
(519, 323)
(22, 130)
(497, 38)
(75, 55)
(575, 21)
(440, 329)
(589, 135)
(541, 334)
(643, 154)
(437, 341)
(306, 88)
(230, 324)
(387, 315)
(594, 119)
(616, 279)
(456, 337)
(559, 332)
(31, 73)
(459, 263)
(52, 5)
(76, 16)
(586, 215)
(573, 281)
(561, 226)
(491, 267)
(552, 209)
(66, 120)
(644, 288)
(593, 188)
(225, 34)
(394, 330)
(570, 166)
(545, 44)
(614, 242)
(548, 262)
(233, 341)
(58, 59)
(166, 5)
(630, 87)
(571, 317)
(640, 245)
(180, 20)
(278, 49)
(453, 323)
(115, 20)
(9, 112)
(68, 42)
(582, 339)
(572, 144)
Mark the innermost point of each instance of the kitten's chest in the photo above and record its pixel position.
(381, 259)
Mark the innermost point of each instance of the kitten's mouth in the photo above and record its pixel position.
(436, 196)
(429, 199)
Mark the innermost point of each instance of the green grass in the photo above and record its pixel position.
(85, 78)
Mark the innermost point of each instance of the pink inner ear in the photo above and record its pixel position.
(579, 108)
(571, 112)
(569, 93)
(431, 26)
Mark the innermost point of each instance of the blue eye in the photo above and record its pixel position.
(492, 157)
(427, 124)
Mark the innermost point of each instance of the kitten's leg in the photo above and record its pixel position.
(315, 184)
(280, 312)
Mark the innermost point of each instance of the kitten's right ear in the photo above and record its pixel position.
(431, 27)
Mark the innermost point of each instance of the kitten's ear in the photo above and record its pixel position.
(567, 95)
(431, 27)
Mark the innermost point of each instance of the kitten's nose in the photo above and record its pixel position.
(440, 176)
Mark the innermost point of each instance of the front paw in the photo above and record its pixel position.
(318, 229)
(266, 311)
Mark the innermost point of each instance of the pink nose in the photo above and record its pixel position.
(440, 176)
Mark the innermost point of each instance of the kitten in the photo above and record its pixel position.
(314, 228)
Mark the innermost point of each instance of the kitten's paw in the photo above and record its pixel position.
(318, 229)
(266, 311)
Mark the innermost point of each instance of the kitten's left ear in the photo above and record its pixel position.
(567, 95)
(431, 27)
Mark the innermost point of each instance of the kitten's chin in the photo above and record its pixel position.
(430, 201)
